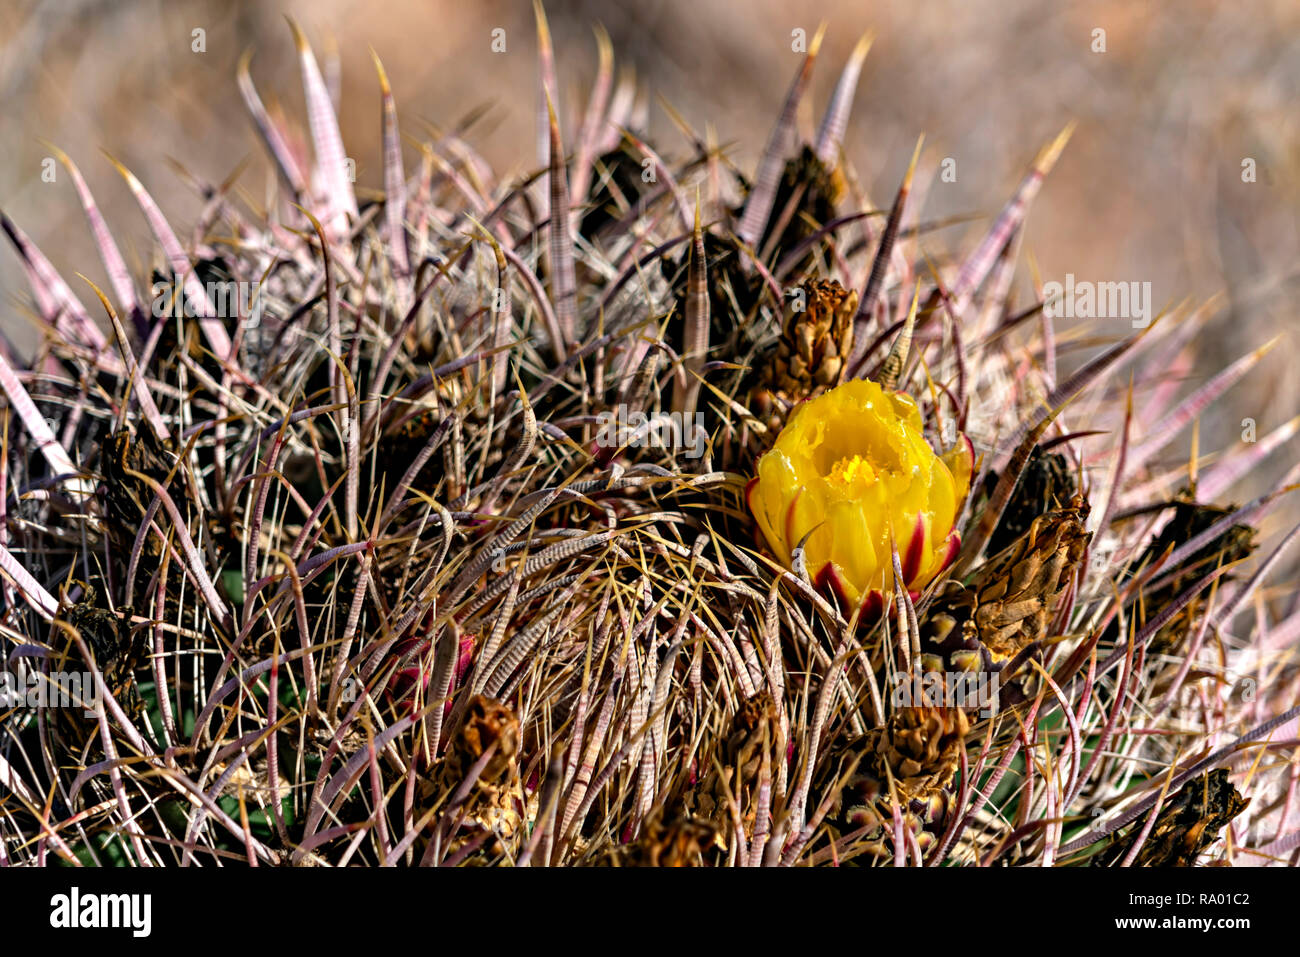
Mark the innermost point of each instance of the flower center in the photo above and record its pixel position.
(852, 470)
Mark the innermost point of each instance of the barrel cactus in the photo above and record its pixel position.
(455, 521)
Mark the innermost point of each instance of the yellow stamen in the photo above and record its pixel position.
(852, 468)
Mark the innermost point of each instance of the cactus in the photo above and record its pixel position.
(362, 574)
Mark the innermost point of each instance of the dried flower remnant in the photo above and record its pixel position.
(484, 758)
(812, 352)
(908, 764)
(1189, 822)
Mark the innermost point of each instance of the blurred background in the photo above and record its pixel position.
(1149, 189)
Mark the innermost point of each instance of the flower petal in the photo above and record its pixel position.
(850, 471)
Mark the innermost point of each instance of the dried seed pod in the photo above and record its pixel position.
(668, 842)
(1045, 484)
(487, 722)
(810, 356)
(918, 749)
(1015, 592)
(1189, 822)
(118, 652)
(753, 732)
(733, 295)
(124, 458)
(1190, 519)
(495, 801)
(1009, 602)
(805, 201)
(983, 626)
(252, 780)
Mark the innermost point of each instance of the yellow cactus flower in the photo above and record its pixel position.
(850, 469)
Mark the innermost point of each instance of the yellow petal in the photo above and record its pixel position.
(852, 470)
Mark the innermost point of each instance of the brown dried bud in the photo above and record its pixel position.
(811, 354)
(1014, 594)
